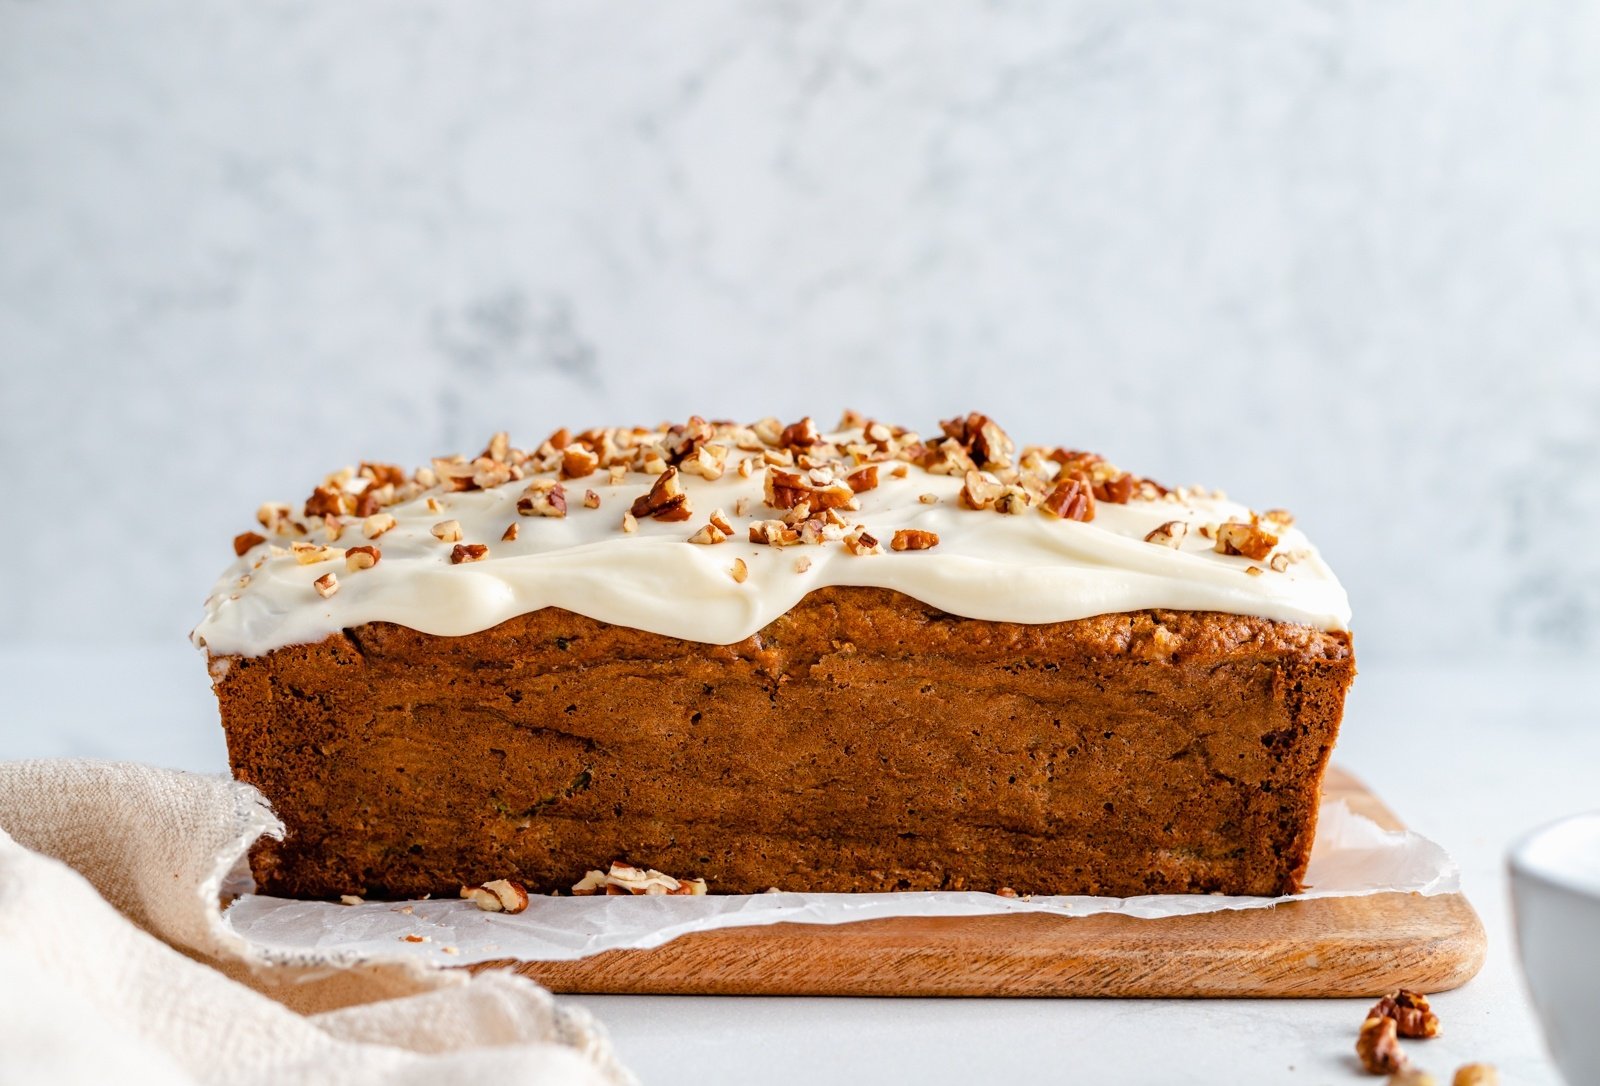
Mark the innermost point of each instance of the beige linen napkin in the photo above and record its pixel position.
(116, 967)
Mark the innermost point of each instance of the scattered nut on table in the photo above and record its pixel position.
(1413, 1017)
(1412, 1077)
(1378, 1046)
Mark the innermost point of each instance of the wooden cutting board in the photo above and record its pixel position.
(1361, 946)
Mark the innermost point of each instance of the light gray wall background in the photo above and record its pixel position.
(1343, 257)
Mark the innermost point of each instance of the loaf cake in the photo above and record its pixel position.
(768, 656)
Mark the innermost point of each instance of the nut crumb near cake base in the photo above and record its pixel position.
(768, 655)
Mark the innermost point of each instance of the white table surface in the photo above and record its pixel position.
(1472, 757)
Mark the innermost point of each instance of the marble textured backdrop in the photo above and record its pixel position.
(1343, 257)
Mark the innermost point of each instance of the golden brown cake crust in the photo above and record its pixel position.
(861, 742)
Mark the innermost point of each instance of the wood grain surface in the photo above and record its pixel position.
(1328, 947)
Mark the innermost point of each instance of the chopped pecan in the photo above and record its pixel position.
(739, 571)
(1410, 1010)
(774, 533)
(626, 879)
(326, 585)
(359, 558)
(375, 525)
(914, 539)
(1071, 499)
(488, 473)
(981, 437)
(1476, 1074)
(308, 554)
(863, 479)
(577, 462)
(468, 552)
(382, 474)
(245, 540)
(447, 531)
(455, 472)
(543, 498)
(501, 895)
(1237, 537)
(666, 500)
(510, 534)
(800, 435)
(1117, 490)
(979, 491)
(591, 499)
(326, 501)
(1013, 501)
(861, 542)
(630, 523)
(1171, 534)
(1378, 1046)
(768, 431)
(1412, 1076)
(499, 447)
(818, 488)
(708, 461)
(274, 517)
(1279, 563)
(709, 534)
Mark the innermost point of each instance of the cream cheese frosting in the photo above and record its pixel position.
(1029, 568)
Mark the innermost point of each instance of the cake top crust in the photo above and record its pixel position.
(707, 531)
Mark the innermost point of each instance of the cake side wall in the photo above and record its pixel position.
(862, 742)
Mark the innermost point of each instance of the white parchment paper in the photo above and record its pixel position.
(1352, 856)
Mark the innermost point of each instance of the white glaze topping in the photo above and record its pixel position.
(1028, 568)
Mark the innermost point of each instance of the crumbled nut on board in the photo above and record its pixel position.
(500, 895)
(626, 879)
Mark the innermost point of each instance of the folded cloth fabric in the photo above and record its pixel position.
(115, 964)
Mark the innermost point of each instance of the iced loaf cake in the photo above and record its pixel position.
(767, 656)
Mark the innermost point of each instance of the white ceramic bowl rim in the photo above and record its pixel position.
(1564, 854)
